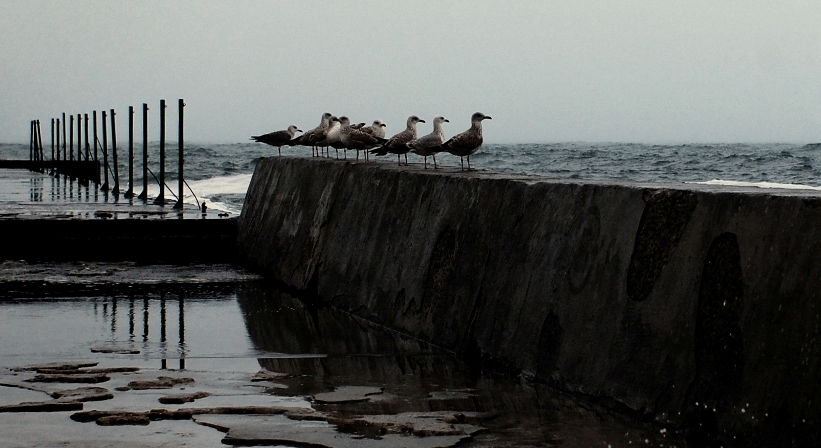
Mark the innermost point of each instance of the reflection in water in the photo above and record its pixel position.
(112, 318)
(417, 377)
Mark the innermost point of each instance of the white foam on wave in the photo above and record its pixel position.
(735, 183)
(205, 189)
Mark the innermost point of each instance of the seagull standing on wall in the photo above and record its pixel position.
(377, 129)
(315, 135)
(398, 144)
(467, 143)
(428, 145)
(359, 139)
(277, 138)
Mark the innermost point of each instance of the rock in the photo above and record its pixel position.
(70, 378)
(162, 382)
(116, 350)
(54, 366)
(43, 406)
(272, 430)
(83, 394)
(183, 398)
(124, 418)
(266, 375)
(347, 394)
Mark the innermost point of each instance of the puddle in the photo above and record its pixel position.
(358, 381)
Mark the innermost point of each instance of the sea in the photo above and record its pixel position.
(219, 173)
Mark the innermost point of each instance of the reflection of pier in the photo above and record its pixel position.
(144, 309)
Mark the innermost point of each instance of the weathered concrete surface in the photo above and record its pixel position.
(654, 300)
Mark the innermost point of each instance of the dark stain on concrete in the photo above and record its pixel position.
(550, 342)
(666, 213)
(582, 262)
(719, 342)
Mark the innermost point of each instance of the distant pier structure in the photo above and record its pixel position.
(85, 165)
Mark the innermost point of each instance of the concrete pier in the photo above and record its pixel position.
(691, 307)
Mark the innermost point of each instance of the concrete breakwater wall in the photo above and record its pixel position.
(689, 306)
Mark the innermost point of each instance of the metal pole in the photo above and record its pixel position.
(79, 140)
(31, 142)
(65, 124)
(71, 137)
(105, 156)
(40, 146)
(96, 159)
(116, 189)
(179, 204)
(87, 146)
(161, 198)
(58, 143)
(52, 144)
(144, 194)
(130, 192)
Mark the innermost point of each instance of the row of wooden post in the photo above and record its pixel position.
(36, 150)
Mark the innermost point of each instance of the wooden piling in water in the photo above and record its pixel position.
(144, 194)
(105, 186)
(87, 146)
(181, 180)
(116, 189)
(161, 197)
(130, 192)
(58, 141)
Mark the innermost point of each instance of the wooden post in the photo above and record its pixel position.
(96, 159)
(40, 146)
(105, 156)
(71, 137)
(79, 140)
(88, 158)
(116, 189)
(52, 143)
(65, 124)
(181, 180)
(58, 144)
(31, 143)
(161, 198)
(144, 194)
(130, 192)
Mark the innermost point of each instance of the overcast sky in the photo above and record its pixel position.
(546, 71)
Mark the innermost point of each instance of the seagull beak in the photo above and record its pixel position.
(488, 118)
(422, 121)
(299, 130)
(447, 121)
(383, 125)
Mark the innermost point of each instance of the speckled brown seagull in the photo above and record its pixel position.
(358, 139)
(398, 143)
(467, 143)
(315, 135)
(277, 138)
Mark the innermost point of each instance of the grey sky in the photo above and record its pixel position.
(547, 71)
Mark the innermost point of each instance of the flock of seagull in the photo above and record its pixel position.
(339, 133)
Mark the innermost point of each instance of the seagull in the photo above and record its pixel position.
(277, 138)
(426, 146)
(466, 143)
(332, 135)
(398, 143)
(315, 135)
(377, 129)
(358, 139)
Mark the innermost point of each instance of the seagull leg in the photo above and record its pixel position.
(426, 162)
(468, 163)
(434, 162)
(406, 159)
(462, 163)
(399, 160)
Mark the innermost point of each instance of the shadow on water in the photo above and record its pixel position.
(417, 377)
